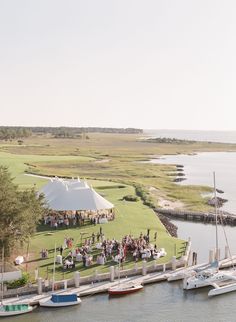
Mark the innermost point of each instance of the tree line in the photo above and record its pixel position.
(14, 133)
(19, 132)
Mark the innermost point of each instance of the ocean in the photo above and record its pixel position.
(210, 136)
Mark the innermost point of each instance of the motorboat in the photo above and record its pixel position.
(60, 300)
(123, 289)
(14, 309)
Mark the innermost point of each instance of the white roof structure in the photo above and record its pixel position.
(73, 195)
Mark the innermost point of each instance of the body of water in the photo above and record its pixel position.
(211, 136)
(198, 170)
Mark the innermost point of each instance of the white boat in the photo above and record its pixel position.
(14, 309)
(124, 289)
(60, 300)
(218, 290)
(212, 274)
(207, 278)
(180, 275)
(11, 309)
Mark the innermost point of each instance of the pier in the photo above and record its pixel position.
(176, 269)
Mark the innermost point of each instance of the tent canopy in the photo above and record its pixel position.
(73, 195)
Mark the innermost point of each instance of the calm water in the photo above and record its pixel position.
(212, 136)
(199, 171)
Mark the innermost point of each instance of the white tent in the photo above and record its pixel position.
(73, 195)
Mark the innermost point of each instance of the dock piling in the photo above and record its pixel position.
(40, 285)
(173, 263)
(144, 268)
(77, 279)
(112, 273)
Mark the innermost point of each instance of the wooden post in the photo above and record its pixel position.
(40, 285)
(173, 263)
(77, 279)
(112, 273)
(144, 267)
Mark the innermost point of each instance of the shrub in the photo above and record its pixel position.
(145, 196)
(130, 198)
(20, 282)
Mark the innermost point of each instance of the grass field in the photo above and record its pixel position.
(105, 160)
(131, 218)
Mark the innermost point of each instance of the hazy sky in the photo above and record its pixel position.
(120, 63)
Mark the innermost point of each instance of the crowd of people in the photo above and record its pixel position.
(98, 249)
(78, 218)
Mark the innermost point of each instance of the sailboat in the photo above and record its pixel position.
(211, 275)
(11, 309)
(124, 288)
(59, 300)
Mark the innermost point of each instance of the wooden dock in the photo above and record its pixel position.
(90, 289)
(102, 287)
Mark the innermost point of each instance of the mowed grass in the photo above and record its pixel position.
(131, 218)
(19, 164)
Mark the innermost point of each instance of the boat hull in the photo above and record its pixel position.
(193, 282)
(12, 313)
(124, 291)
(49, 303)
(222, 290)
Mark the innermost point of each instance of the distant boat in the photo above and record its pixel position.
(124, 289)
(61, 300)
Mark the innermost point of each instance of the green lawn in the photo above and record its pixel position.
(18, 164)
(131, 218)
(122, 153)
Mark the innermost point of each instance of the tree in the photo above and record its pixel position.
(20, 211)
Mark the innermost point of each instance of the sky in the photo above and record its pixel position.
(150, 64)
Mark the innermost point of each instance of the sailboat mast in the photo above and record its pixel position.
(216, 215)
(54, 268)
(2, 286)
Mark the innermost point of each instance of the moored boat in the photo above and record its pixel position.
(60, 300)
(124, 289)
(14, 309)
(11, 309)
(218, 290)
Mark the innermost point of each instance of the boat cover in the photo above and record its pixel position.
(16, 307)
(60, 298)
